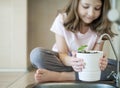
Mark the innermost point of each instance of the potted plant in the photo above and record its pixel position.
(92, 71)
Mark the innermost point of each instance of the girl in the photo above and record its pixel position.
(80, 23)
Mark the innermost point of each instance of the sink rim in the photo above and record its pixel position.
(108, 83)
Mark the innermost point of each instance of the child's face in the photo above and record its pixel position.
(89, 10)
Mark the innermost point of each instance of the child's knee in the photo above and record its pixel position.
(35, 55)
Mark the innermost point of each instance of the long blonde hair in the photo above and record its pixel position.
(100, 25)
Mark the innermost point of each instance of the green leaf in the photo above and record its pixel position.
(82, 48)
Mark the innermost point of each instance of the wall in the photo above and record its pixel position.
(13, 26)
(116, 43)
(41, 14)
(13, 35)
(116, 39)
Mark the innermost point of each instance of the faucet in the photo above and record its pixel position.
(117, 59)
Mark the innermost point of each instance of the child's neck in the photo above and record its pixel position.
(84, 28)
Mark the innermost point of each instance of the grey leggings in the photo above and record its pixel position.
(48, 59)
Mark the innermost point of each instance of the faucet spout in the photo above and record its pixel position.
(117, 59)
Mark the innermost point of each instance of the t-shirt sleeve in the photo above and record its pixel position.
(57, 26)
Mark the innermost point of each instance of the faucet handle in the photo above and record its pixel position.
(112, 74)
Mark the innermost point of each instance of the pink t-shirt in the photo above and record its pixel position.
(73, 40)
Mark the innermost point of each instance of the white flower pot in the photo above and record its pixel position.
(92, 71)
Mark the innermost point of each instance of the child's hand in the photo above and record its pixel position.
(77, 63)
(103, 62)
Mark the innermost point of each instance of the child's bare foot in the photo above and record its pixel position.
(43, 75)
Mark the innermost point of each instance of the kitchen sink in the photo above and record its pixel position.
(74, 85)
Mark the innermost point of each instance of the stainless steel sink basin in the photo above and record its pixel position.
(74, 85)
